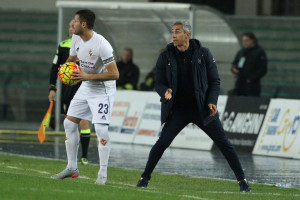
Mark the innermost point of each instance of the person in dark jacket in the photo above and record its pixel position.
(250, 65)
(129, 72)
(68, 92)
(149, 83)
(188, 83)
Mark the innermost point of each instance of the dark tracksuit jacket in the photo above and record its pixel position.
(129, 74)
(205, 78)
(193, 77)
(253, 68)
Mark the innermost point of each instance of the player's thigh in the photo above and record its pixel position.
(79, 108)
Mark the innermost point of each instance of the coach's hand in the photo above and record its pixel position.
(168, 94)
(80, 76)
(213, 109)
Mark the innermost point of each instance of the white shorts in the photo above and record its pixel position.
(91, 106)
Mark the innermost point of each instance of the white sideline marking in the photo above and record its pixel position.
(38, 171)
(193, 197)
(252, 193)
(34, 170)
(83, 177)
(13, 167)
(55, 190)
(161, 193)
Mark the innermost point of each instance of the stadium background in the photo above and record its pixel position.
(28, 40)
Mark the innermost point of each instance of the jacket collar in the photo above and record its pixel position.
(196, 44)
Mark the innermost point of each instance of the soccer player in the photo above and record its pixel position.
(94, 98)
(68, 92)
(188, 83)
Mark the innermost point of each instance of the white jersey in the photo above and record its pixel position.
(93, 56)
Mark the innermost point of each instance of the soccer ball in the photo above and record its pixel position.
(65, 72)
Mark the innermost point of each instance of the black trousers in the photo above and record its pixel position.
(181, 117)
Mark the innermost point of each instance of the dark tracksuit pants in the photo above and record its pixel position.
(176, 122)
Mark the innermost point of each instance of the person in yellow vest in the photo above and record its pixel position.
(68, 92)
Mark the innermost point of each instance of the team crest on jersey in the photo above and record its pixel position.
(103, 141)
(90, 52)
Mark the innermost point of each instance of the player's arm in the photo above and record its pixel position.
(72, 59)
(112, 73)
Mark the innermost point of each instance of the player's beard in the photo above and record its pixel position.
(78, 32)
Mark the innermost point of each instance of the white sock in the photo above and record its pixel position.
(103, 147)
(72, 143)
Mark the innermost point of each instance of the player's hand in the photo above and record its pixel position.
(52, 96)
(235, 70)
(213, 109)
(168, 94)
(80, 76)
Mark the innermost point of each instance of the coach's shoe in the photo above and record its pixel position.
(244, 186)
(84, 161)
(142, 183)
(66, 173)
(101, 180)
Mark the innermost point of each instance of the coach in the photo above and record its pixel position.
(188, 83)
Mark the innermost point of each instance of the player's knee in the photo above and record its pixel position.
(102, 134)
(70, 126)
(71, 129)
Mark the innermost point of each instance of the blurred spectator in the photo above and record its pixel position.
(149, 83)
(250, 65)
(129, 72)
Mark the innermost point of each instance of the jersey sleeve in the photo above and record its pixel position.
(106, 52)
(72, 49)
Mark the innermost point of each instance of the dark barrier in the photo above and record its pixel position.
(242, 120)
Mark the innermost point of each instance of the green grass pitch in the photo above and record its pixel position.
(29, 178)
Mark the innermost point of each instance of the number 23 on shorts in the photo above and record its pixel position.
(103, 108)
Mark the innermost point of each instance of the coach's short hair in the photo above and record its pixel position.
(87, 16)
(185, 26)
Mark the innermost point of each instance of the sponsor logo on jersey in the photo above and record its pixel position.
(103, 117)
(90, 52)
(103, 141)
